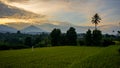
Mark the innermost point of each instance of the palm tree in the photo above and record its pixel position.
(95, 20)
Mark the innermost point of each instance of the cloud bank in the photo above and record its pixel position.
(78, 12)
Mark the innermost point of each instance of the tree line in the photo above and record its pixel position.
(57, 38)
(68, 38)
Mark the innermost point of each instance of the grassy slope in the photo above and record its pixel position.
(62, 57)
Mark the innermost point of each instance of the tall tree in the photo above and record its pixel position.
(63, 39)
(95, 20)
(88, 38)
(97, 37)
(71, 36)
(55, 37)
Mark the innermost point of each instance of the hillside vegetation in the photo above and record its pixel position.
(62, 57)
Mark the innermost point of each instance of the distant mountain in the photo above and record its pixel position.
(32, 30)
(18, 25)
(106, 29)
(5, 29)
(110, 29)
(49, 27)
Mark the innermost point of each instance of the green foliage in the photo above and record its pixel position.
(4, 46)
(88, 37)
(107, 42)
(95, 20)
(97, 37)
(119, 51)
(28, 41)
(19, 40)
(93, 38)
(37, 39)
(8, 46)
(118, 38)
(71, 36)
(61, 57)
(63, 39)
(55, 37)
(41, 44)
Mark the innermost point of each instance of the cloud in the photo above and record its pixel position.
(18, 1)
(10, 14)
(82, 9)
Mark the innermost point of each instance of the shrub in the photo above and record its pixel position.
(107, 42)
(18, 46)
(41, 44)
(28, 41)
(4, 46)
(7, 46)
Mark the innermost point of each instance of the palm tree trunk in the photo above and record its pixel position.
(95, 26)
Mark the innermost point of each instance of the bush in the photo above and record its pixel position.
(7, 46)
(18, 46)
(107, 42)
(41, 44)
(4, 46)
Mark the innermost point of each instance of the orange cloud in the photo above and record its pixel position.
(51, 7)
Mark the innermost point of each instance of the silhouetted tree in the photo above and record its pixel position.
(119, 36)
(71, 36)
(88, 37)
(18, 32)
(55, 37)
(96, 19)
(63, 39)
(97, 37)
(119, 50)
(118, 32)
(28, 41)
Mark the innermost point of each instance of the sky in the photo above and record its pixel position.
(76, 12)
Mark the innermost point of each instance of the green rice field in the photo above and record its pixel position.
(62, 57)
